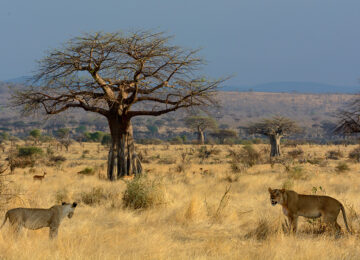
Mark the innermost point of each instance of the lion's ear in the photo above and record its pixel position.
(270, 190)
(282, 190)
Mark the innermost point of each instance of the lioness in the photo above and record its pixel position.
(33, 218)
(309, 206)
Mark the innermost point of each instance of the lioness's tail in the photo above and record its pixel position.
(345, 221)
(6, 217)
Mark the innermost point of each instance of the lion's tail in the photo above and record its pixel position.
(6, 217)
(344, 216)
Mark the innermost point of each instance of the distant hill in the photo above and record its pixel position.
(271, 87)
(295, 87)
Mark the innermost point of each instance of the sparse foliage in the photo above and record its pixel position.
(200, 124)
(119, 76)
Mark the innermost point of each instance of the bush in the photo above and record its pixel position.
(142, 193)
(247, 156)
(334, 154)
(296, 153)
(57, 159)
(94, 197)
(150, 141)
(21, 162)
(106, 140)
(204, 152)
(30, 151)
(355, 154)
(87, 171)
(342, 167)
(61, 196)
(176, 140)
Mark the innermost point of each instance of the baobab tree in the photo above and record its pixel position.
(200, 124)
(119, 76)
(275, 128)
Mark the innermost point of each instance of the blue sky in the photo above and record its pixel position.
(257, 40)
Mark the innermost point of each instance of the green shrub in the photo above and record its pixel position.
(28, 151)
(106, 140)
(142, 193)
(87, 171)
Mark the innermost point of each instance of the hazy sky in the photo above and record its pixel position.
(257, 40)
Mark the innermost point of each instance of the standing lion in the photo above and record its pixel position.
(309, 206)
(34, 218)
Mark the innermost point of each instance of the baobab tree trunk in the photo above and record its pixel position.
(275, 145)
(122, 155)
(201, 138)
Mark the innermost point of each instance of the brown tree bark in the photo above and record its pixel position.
(201, 138)
(122, 160)
(275, 145)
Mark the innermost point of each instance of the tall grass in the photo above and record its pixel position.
(181, 215)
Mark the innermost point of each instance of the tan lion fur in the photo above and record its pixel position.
(309, 206)
(35, 218)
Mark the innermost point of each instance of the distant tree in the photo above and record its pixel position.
(223, 134)
(349, 118)
(328, 127)
(200, 124)
(224, 126)
(97, 136)
(63, 136)
(153, 129)
(119, 76)
(275, 128)
(35, 134)
(4, 136)
(80, 129)
(106, 140)
(62, 133)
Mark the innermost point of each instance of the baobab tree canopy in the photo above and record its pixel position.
(275, 128)
(119, 76)
(276, 125)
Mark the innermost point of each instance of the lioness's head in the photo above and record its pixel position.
(277, 196)
(69, 208)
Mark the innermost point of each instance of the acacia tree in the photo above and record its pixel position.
(35, 134)
(223, 134)
(275, 128)
(119, 76)
(200, 124)
(349, 118)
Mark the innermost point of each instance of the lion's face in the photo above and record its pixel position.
(276, 196)
(69, 208)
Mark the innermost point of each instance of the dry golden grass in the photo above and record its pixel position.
(197, 221)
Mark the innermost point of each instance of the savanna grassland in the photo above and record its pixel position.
(203, 202)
